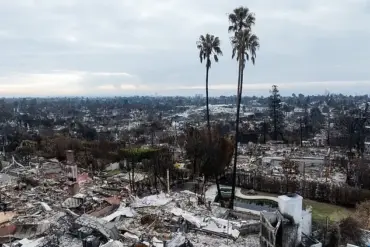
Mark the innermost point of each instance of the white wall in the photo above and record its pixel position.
(292, 206)
(306, 222)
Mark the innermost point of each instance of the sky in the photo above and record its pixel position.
(148, 47)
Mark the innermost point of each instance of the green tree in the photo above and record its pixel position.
(208, 45)
(244, 46)
(351, 125)
(263, 128)
(287, 108)
(306, 117)
(317, 119)
(276, 112)
(325, 109)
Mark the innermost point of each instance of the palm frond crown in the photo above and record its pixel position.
(245, 44)
(240, 19)
(209, 46)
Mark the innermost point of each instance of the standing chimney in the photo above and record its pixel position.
(70, 157)
(71, 166)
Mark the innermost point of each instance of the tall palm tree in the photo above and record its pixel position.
(240, 19)
(208, 46)
(245, 45)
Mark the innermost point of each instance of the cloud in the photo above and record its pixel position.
(35, 84)
(141, 46)
(112, 74)
(59, 83)
(80, 83)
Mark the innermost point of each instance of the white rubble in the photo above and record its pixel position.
(121, 211)
(113, 243)
(188, 217)
(151, 201)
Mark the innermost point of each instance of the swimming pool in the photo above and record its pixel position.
(256, 204)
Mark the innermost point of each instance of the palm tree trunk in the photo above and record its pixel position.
(209, 127)
(275, 122)
(207, 100)
(240, 84)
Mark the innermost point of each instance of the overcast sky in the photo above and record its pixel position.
(131, 47)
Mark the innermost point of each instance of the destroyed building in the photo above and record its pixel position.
(285, 226)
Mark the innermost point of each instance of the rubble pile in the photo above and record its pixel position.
(315, 163)
(42, 206)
